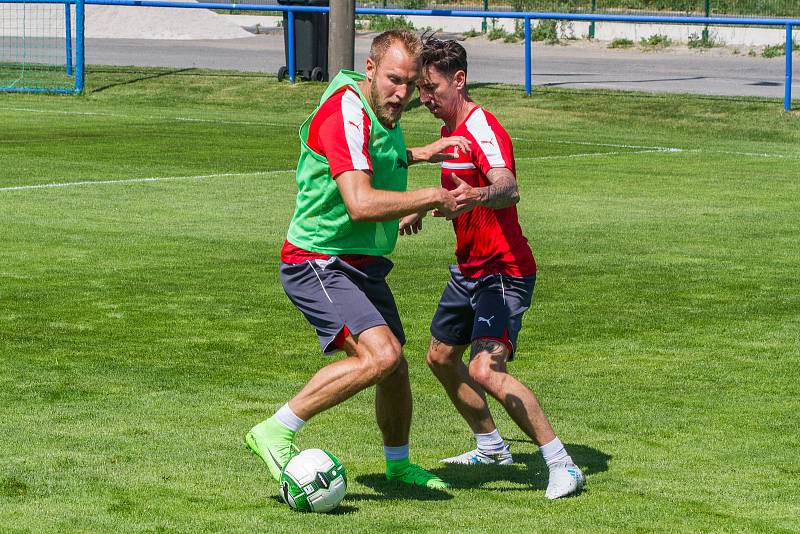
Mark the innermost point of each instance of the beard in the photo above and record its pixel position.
(385, 115)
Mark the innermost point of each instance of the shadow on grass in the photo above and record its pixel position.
(342, 509)
(142, 77)
(529, 470)
(392, 490)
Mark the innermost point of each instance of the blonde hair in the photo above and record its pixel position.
(381, 44)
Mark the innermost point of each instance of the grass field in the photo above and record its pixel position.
(143, 329)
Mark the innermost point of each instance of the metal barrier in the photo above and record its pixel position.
(526, 17)
(734, 8)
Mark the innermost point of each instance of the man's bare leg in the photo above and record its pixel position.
(470, 400)
(374, 357)
(488, 368)
(371, 356)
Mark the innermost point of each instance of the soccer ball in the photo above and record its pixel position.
(313, 481)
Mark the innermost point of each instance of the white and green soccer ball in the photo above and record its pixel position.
(313, 481)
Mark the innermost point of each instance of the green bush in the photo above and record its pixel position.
(776, 8)
(381, 23)
(497, 33)
(656, 41)
(778, 49)
(621, 42)
(545, 30)
(774, 50)
(701, 40)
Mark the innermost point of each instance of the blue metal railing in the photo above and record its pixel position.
(68, 27)
(787, 99)
(526, 17)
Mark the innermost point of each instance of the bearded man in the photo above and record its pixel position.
(352, 191)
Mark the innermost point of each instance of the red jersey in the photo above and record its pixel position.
(488, 241)
(339, 131)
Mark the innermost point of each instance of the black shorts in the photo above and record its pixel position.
(490, 307)
(333, 294)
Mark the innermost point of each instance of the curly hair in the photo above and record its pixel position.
(447, 57)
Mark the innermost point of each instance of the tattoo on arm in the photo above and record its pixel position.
(502, 192)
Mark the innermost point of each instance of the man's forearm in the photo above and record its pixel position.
(502, 193)
(381, 205)
(416, 155)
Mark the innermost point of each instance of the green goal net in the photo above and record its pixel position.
(41, 46)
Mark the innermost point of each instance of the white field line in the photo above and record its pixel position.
(646, 149)
(601, 154)
(145, 117)
(643, 148)
(61, 112)
(141, 180)
(609, 145)
(755, 154)
(266, 173)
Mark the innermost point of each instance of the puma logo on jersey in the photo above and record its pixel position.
(487, 142)
(485, 320)
(400, 164)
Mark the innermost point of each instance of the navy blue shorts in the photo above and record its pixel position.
(333, 294)
(490, 307)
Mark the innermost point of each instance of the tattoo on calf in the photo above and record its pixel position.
(488, 346)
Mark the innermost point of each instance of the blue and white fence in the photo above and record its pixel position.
(526, 17)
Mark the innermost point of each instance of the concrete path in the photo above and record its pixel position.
(579, 64)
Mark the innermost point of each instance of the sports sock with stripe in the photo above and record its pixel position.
(396, 453)
(554, 453)
(491, 442)
(286, 417)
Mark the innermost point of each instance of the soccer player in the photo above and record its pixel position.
(352, 181)
(491, 286)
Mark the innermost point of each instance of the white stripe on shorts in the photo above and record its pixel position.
(320, 281)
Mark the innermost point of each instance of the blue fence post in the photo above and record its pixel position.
(68, 36)
(528, 69)
(80, 71)
(290, 38)
(787, 100)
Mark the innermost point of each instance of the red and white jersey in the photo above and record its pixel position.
(488, 241)
(339, 131)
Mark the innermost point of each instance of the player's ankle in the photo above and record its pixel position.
(554, 453)
(396, 466)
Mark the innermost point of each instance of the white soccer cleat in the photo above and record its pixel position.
(476, 456)
(565, 479)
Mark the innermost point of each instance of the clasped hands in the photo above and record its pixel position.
(454, 202)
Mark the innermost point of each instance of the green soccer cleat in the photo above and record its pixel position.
(272, 442)
(406, 472)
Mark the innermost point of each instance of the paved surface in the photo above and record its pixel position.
(579, 64)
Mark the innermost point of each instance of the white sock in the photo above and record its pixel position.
(396, 453)
(555, 453)
(491, 442)
(287, 418)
